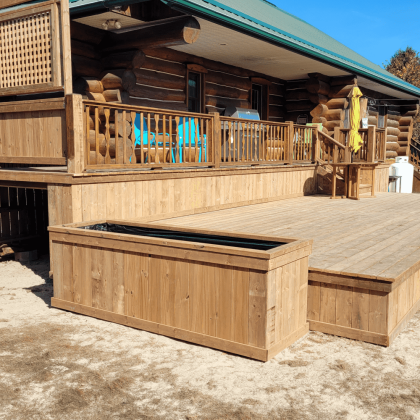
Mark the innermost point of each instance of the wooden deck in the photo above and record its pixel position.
(364, 271)
(372, 238)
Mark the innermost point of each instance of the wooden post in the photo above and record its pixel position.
(66, 46)
(290, 141)
(371, 144)
(316, 146)
(335, 154)
(216, 139)
(338, 135)
(75, 134)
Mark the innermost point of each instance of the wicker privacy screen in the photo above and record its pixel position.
(30, 50)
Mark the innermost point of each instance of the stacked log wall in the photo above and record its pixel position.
(277, 102)
(405, 126)
(156, 77)
(297, 100)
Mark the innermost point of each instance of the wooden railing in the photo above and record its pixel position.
(119, 136)
(373, 148)
(254, 142)
(330, 150)
(415, 155)
(33, 132)
(380, 147)
(304, 139)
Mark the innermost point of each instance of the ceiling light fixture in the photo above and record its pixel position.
(111, 24)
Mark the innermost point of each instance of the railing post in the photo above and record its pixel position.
(290, 141)
(75, 134)
(383, 146)
(216, 139)
(338, 136)
(371, 144)
(316, 145)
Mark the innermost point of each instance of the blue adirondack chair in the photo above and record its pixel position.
(143, 136)
(191, 125)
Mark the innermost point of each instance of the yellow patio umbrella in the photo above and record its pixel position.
(355, 140)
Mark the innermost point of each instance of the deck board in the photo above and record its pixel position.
(378, 238)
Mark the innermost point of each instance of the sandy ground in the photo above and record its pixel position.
(59, 365)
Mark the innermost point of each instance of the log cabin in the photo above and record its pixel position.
(151, 110)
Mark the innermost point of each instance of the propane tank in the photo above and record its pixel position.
(405, 170)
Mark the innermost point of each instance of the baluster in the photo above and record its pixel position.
(256, 141)
(149, 154)
(117, 145)
(177, 151)
(190, 137)
(226, 146)
(197, 135)
(170, 139)
(232, 140)
(107, 136)
(97, 136)
(264, 141)
(133, 139)
(157, 160)
(164, 137)
(87, 113)
(242, 131)
(142, 137)
(248, 139)
(124, 135)
(183, 145)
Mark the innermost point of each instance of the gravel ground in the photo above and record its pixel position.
(59, 365)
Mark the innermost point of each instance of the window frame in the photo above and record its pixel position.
(201, 71)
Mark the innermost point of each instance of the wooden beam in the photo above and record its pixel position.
(182, 30)
(86, 33)
(75, 133)
(66, 46)
(9, 3)
(34, 160)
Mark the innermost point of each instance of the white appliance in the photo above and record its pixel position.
(403, 173)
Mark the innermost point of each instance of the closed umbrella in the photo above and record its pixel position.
(355, 140)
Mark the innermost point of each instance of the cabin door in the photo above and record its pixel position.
(35, 55)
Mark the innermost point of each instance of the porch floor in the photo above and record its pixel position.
(375, 239)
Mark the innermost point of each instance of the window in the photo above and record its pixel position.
(194, 92)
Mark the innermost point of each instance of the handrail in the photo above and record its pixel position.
(144, 108)
(340, 145)
(415, 147)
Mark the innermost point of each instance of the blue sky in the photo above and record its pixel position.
(379, 28)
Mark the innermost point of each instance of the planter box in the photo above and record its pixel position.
(248, 297)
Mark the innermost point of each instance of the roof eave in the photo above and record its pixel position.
(289, 42)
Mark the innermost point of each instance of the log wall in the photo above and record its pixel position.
(156, 77)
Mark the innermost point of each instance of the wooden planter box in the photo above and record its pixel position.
(244, 301)
(375, 311)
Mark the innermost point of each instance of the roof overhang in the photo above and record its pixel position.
(234, 19)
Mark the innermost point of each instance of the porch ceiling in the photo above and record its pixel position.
(245, 51)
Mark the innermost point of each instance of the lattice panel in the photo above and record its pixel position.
(25, 51)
